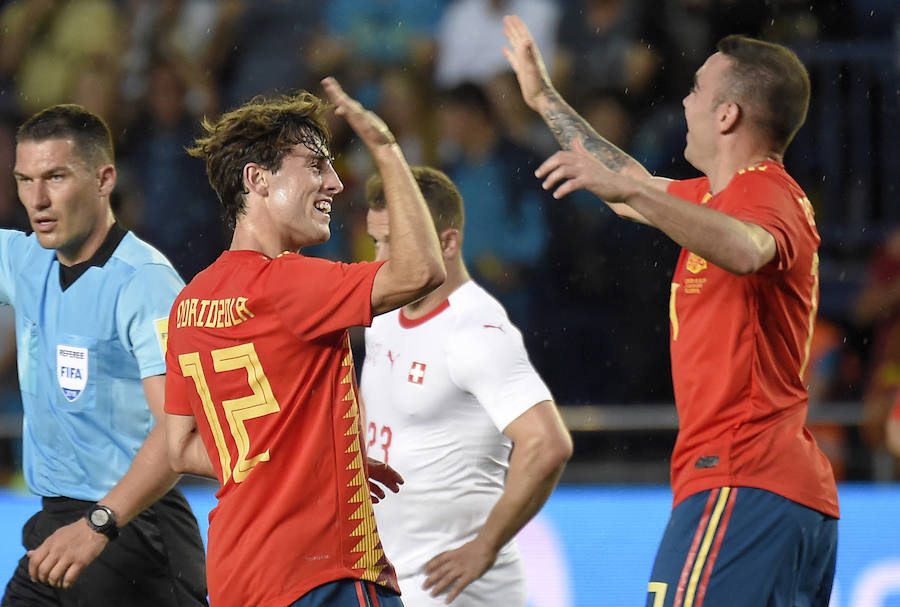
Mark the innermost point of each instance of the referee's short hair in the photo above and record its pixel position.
(88, 131)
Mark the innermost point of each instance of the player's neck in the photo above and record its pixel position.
(457, 275)
(728, 163)
(249, 235)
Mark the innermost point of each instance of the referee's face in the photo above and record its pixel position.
(67, 200)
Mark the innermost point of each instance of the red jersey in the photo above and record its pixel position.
(258, 352)
(740, 347)
(895, 412)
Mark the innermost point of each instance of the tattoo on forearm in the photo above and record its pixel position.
(567, 126)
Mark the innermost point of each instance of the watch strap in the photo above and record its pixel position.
(110, 528)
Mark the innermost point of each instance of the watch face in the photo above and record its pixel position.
(99, 517)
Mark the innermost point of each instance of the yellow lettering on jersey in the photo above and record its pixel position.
(242, 310)
(213, 319)
(213, 313)
(237, 411)
(693, 285)
(808, 210)
(204, 304)
(192, 313)
(813, 308)
(673, 314)
(191, 367)
(226, 313)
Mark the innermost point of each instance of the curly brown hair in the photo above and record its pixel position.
(262, 131)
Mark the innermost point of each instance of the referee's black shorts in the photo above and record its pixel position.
(157, 560)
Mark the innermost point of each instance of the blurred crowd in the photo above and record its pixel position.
(579, 282)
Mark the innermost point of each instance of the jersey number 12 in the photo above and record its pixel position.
(237, 410)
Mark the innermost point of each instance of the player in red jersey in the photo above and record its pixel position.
(754, 520)
(260, 387)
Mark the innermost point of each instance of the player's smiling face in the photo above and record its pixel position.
(63, 197)
(301, 193)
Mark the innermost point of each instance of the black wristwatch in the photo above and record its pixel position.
(102, 520)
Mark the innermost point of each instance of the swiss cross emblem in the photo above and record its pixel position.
(416, 373)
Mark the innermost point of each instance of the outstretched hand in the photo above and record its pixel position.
(370, 128)
(568, 171)
(526, 61)
(379, 472)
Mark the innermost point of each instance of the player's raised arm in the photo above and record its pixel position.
(565, 123)
(415, 267)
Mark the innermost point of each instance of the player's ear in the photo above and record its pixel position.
(255, 179)
(729, 114)
(451, 242)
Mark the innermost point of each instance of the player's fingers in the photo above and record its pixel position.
(71, 575)
(517, 29)
(511, 57)
(333, 89)
(35, 558)
(57, 575)
(550, 164)
(556, 175)
(437, 562)
(376, 490)
(567, 187)
(336, 94)
(43, 569)
(508, 30)
(442, 583)
(457, 589)
(392, 479)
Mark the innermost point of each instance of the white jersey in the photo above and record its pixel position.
(438, 392)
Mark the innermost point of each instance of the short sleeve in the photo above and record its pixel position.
(142, 315)
(489, 360)
(692, 190)
(764, 200)
(316, 297)
(12, 250)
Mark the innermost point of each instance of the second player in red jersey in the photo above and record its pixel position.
(746, 427)
(754, 520)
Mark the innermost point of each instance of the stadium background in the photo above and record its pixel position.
(588, 291)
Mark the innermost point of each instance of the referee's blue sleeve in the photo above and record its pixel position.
(12, 250)
(143, 312)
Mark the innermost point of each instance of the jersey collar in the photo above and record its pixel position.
(69, 274)
(409, 323)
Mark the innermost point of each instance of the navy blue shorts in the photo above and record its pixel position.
(349, 593)
(741, 546)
